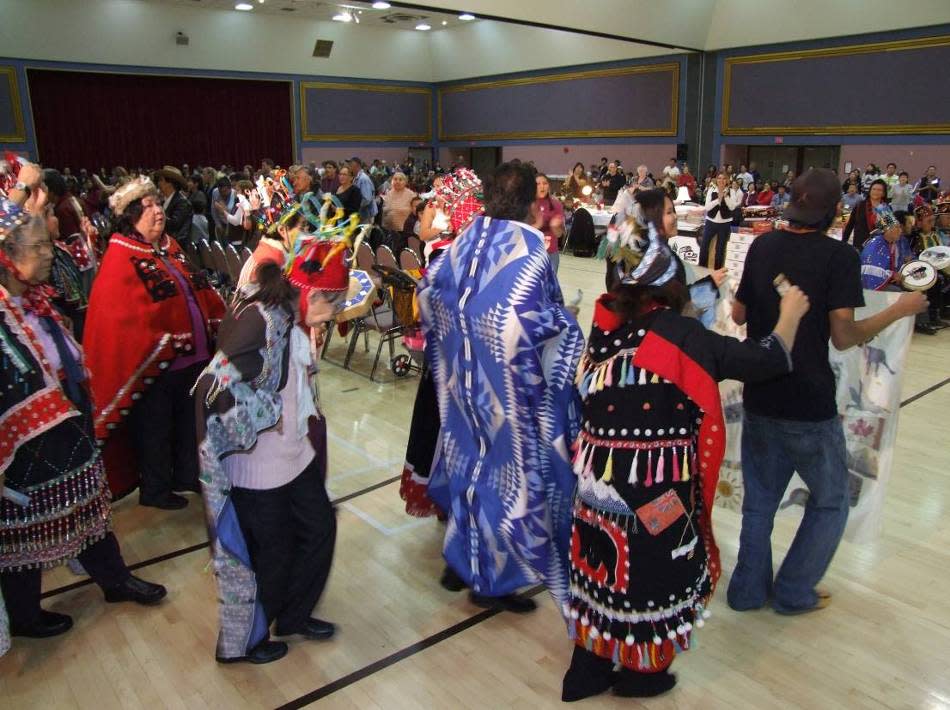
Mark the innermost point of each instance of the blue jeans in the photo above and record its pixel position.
(772, 450)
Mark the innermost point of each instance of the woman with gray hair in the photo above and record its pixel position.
(55, 504)
(397, 203)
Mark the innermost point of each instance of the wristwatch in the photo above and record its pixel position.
(22, 187)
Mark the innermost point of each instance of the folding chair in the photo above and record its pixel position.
(233, 261)
(385, 257)
(409, 260)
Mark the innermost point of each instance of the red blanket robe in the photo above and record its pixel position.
(138, 323)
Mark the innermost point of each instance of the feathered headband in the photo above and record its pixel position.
(277, 201)
(130, 192)
(885, 219)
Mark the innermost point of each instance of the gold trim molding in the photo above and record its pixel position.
(377, 88)
(845, 129)
(20, 129)
(672, 67)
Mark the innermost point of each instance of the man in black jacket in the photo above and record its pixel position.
(178, 210)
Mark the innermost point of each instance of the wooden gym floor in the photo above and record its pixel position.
(404, 642)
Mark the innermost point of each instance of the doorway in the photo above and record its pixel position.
(774, 161)
(484, 160)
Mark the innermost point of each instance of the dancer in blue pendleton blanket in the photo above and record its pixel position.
(503, 349)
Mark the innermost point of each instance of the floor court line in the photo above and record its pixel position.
(400, 655)
(451, 631)
(408, 651)
(202, 545)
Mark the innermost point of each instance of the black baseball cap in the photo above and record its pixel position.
(815, 196)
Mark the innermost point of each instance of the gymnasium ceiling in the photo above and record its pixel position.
(280, 36)
(693, 24)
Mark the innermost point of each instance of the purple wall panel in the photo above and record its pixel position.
(883, 88)
(333, 113)
(9, 105)
(624, 104)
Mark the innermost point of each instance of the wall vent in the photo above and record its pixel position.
(322, 48)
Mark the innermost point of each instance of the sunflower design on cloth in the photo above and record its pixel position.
(729, 489)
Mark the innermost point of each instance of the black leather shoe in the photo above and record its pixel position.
(313, 629)
(451, 581)
(509, 602)
(136, 590)
(631, 684)
(264, 652)
(47, 625)
(172, 501)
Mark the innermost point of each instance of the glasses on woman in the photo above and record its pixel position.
(39, 247)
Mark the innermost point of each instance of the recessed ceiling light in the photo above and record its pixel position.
(423, 27)
(343, 17)
(381, 5)
(243, 6)
(466, 17)
(444, 23)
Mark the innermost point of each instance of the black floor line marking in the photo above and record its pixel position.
(368, 489)
(924, 393)
(451, 631)
(138, 565)
(200, 546)
(351, 389)
(415, 648)
(400, 655)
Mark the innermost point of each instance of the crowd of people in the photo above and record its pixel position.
(889, 219)
(588, 465)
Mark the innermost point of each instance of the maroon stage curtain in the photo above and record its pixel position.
(89, 120)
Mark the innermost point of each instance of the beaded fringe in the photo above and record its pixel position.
(64, 517)
(679, 455)
(633, 653)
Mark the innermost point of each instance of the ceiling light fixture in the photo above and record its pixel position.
(381, 5)
(466, 17)
(444, 23)
(423, 27)
(343, 17)
(244, 6)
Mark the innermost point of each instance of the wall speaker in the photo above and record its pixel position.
(682, 152)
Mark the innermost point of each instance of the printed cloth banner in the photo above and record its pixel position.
(869, 380)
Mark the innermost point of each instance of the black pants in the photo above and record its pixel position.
(162, 425)
(710, 230)
(21, 589)
(937, 297)
(290, 533)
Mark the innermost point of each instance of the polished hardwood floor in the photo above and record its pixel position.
(404, 642)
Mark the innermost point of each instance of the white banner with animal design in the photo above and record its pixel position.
(869, 381)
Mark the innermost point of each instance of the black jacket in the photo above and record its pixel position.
(178, 218)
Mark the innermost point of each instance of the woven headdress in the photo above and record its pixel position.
(9, 170)
(130, 192)
(462, 193)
